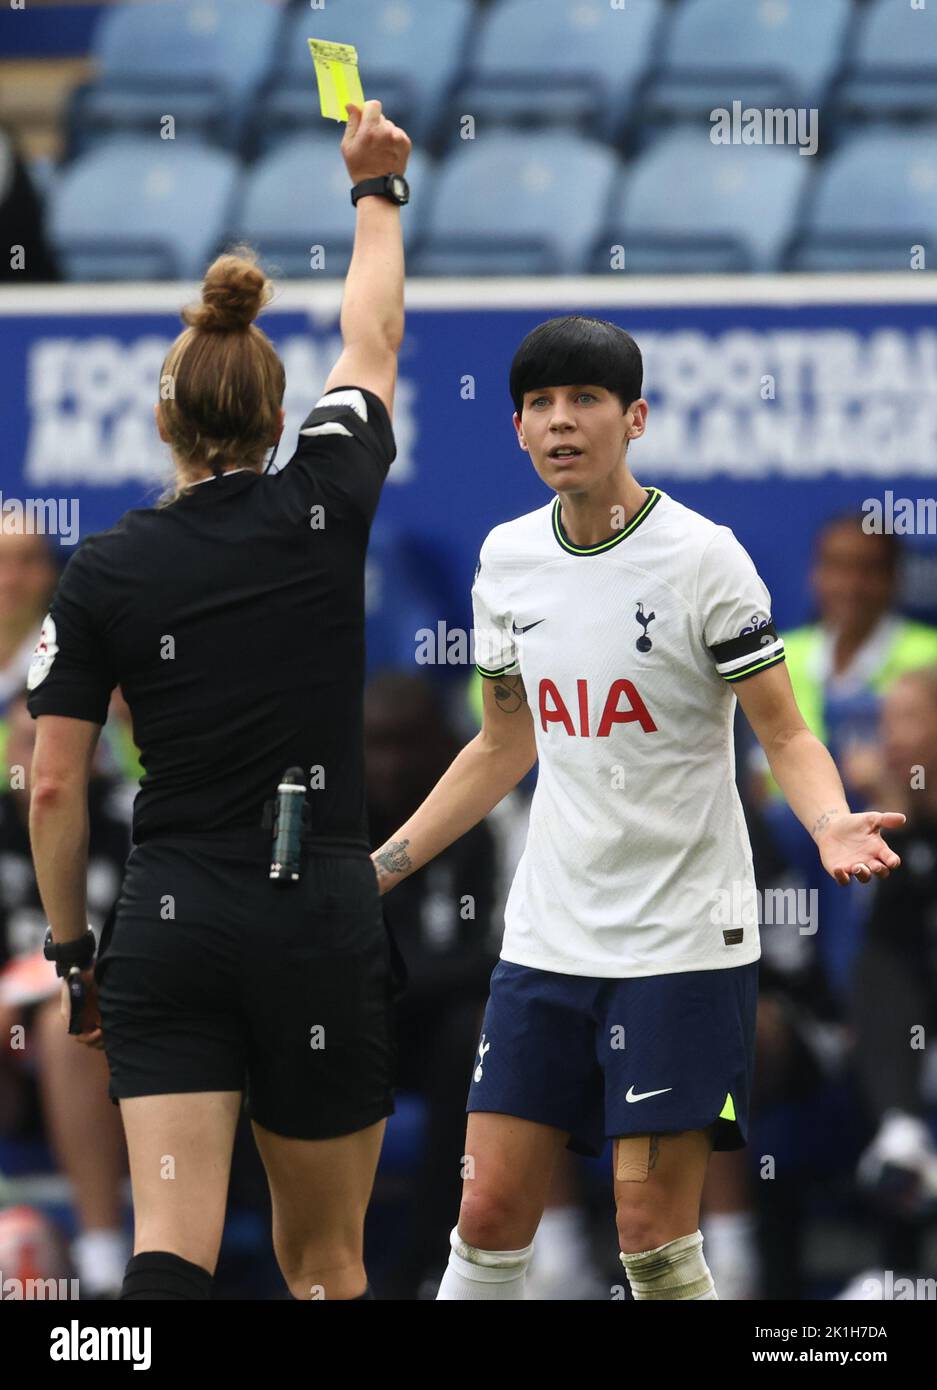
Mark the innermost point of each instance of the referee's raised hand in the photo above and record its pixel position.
(372, 145)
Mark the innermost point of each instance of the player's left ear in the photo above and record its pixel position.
(520, 431)
(637, 418)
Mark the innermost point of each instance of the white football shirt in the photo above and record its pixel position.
(637, 860)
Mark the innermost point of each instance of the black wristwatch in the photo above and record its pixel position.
(68, 954)
(392, 186)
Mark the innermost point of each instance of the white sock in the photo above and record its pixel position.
(732, 1253)
(676, 1270)
(100, 1258)
(482, 1275)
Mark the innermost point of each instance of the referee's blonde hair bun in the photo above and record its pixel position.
(222, 383)
(234, 291)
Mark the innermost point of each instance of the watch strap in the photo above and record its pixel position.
(68, 954)
(379, 186)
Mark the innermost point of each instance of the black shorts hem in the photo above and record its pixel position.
(729, 1134)
(339, 1127)
(136, 1090)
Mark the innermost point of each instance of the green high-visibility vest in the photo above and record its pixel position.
(913, 645)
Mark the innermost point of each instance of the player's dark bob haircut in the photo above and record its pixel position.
(574, 351)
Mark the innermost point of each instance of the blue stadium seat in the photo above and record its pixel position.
(409, 54)
(508, 207)
(893, 67)
(298, 197)
(763, 53)
(874, 200)
(196, 60)
(581, 66)
(689, 205)
(141, 209)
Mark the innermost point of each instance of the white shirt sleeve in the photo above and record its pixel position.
(734, 610)
(495, 647)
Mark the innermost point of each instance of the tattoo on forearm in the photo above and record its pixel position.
(510, 693)
(823, 821)
(393, 858)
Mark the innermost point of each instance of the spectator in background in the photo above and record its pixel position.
(840, 667)
(82, 1126)
(21, 221)
(442, 920)
(28, 574)
(895, 989)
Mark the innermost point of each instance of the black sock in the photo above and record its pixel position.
(158, 1274)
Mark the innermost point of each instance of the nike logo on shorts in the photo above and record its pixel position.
(643, 1095)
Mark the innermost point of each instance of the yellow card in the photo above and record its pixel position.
(338, 77)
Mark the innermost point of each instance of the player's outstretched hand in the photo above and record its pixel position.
(851, 846)
(372, 145)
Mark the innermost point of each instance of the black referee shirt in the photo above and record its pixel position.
(233, 621)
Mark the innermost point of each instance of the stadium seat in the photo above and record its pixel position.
(196, 60)
(763, 53)
(893, 67)
(298, 197)
(503, 207)
(409, 55)
(140, 209)
(583, 65)
(689, 205)
(873, 201)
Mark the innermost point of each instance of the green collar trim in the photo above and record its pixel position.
(654, 496)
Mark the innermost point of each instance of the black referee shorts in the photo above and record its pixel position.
(212, 978)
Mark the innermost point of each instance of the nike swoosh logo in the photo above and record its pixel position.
(529, 625)
(631, 1097)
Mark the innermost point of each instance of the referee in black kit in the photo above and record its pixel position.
(232, 617)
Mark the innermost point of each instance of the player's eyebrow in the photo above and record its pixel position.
(545, 390)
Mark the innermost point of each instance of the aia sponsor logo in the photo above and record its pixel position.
(621, 705)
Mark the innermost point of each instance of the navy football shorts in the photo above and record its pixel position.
(603, 1058)
(212, 978)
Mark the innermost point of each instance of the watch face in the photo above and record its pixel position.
(401, 189)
